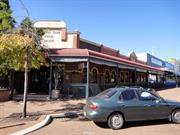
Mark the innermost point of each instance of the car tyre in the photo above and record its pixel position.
(176, 116)
(116, 121)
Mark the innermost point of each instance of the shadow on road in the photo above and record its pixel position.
(136, 124)
(146, 123)
(66, 107)
(12, 125)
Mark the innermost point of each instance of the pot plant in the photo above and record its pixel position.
(58, 75)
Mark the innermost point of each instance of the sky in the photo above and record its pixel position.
(151, 26)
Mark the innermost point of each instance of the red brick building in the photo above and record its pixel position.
(81, 68)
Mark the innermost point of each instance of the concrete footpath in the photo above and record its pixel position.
(45, 122)
(11, 111)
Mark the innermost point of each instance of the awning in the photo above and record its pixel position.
(141, 70)
(61, 59)
(152, 72)
(81, 55)
(126, 67)
(102, 62)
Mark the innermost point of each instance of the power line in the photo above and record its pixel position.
(21, 2)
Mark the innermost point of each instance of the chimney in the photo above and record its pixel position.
(64, 34)
(76, 38)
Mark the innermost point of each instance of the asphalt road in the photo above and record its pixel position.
(73, 127)
(83, 127)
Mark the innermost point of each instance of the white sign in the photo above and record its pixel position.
(156, 61)
(52, 39)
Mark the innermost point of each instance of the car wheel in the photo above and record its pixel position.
(176, 116)
(116, 121)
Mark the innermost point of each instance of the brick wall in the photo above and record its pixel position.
(4, 94)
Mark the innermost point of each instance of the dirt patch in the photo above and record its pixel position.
(10, 113)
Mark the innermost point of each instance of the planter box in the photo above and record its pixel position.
(4, 94)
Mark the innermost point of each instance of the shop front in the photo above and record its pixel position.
(83, 73)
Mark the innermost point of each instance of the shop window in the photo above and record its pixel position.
(122, 77)
(126, 77)
(94, 75)
(138, 78)
(113, 76)
(143, 78)
(107, 76)
(152, 78)
(84, 75)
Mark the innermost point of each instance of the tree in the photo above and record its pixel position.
(6, 20)
(6, 2)
(19, 51)
(26, 30)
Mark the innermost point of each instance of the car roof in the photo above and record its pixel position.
(130, 87)
(137, 88)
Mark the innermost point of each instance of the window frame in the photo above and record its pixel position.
(107, 76)
(94, 75)
(113, 76)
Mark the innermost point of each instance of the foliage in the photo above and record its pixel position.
(26, 28)
(12, 53)
(6, 19)
(6, 2)
(58, 72)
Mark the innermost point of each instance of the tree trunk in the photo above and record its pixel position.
(25, 82)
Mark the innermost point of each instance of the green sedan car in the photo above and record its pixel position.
(118, 105)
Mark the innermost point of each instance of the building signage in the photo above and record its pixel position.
(52, 39)
(156, 61)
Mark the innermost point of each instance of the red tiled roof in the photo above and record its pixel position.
(90, 53)
(123, 61)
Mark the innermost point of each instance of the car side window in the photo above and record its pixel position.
(128, 95)
(146, 96)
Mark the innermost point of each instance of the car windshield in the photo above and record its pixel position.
(107, 93)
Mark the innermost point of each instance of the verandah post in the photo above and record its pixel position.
(50, 80)
(87, 85)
